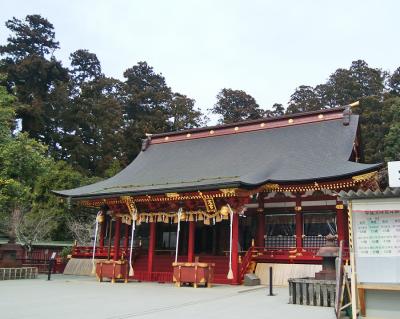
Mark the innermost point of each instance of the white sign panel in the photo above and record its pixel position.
(394, 174)
(377, 233)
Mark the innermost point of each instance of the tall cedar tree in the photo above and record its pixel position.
(33, 74)
(236, 105)
(146, 109)
(182, 113)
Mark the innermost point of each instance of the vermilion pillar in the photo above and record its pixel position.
(299, 224)
(340, 222)
(260, 240)
(126, 237)
(117, 237)
(192, 229)
(235, 248)
(299, 230)
(152, 245)
(102, 233)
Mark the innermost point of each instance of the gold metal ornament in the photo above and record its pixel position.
(224, 210)
(100, 218)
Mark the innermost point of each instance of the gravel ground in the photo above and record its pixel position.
(84, 297)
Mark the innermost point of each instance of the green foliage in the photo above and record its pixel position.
(79, 126)
(183, 114)
(305, 99)
(394, 82)
(236, 105)
(277, 110)
(392, 138)
(34, 36)
(31, 75)
(65, 252)
(7, 114)
(92, 135)
(85, 67)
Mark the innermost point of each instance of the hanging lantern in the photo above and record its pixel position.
(200, 217)
(166, 220)
(176, 219)
(206, 221)
(224, 211)
(218, 218)
(100, 218)
(159, 219)
(183, 216)
(191, 218)
(151, 219)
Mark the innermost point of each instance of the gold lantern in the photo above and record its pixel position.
(100, 218)
(224, 210)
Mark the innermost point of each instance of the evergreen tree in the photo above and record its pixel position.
(93, 127)
(86, 67)
(236, 105)
(394, 82)
(277, 110)
(183, 114)
(304, 99)
(33, 73)
(147, 99)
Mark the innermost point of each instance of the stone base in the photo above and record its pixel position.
(313, 292)
(251, 280)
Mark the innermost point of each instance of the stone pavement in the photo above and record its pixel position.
(84, 297)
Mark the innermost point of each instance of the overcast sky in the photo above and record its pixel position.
(266, 48)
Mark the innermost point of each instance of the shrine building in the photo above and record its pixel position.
(246, 194)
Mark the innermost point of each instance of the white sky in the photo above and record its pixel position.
(266, 48)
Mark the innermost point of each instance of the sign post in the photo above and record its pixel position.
(394, 174)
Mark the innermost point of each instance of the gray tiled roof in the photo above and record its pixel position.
(306, 152)
(388, 192)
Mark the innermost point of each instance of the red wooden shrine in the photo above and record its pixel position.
(268, 219)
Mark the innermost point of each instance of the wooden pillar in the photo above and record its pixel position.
(260, 240)
(235, 248)
(192, 229)
(117, 237)
(152, 245)
(299, 223)
(103, 226)
(126, 238)
(340, 222)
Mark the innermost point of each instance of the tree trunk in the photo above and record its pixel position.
(15, 219)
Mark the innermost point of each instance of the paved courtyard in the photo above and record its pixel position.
(84, 297)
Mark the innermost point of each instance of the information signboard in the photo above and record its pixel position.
(377, 233)
(376, 238)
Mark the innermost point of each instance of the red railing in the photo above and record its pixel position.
(101, 252)
(246, 261)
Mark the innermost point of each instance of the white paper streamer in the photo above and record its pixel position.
(230, 272)
(177, 234)
(131, 273)
(95, 241)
